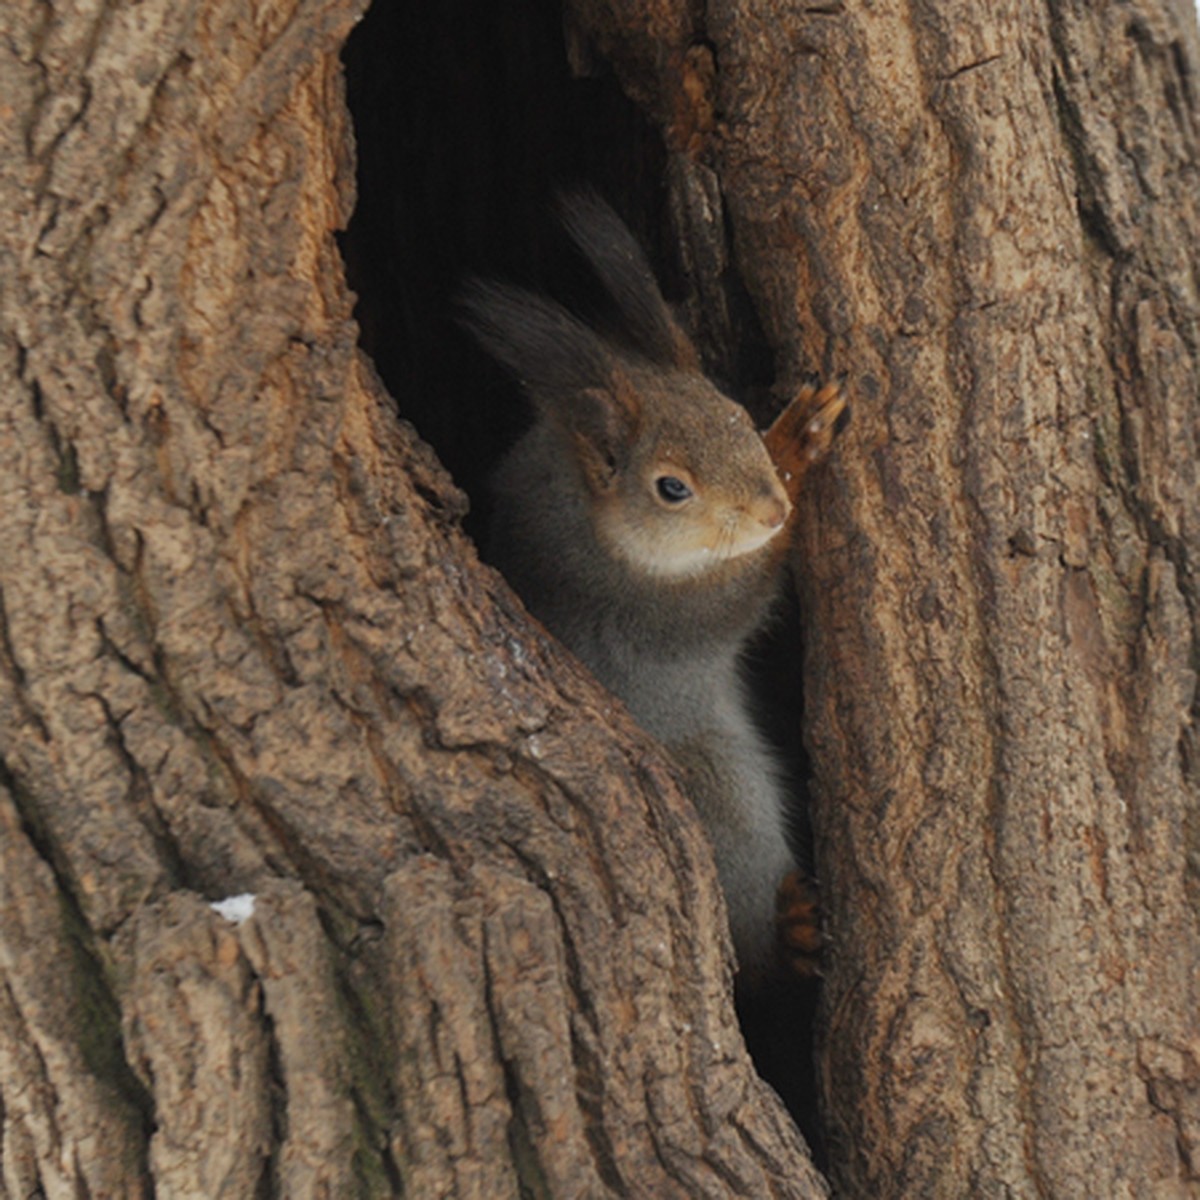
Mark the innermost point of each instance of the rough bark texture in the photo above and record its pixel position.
(1011, 574)
(991, 218)
(245, 647)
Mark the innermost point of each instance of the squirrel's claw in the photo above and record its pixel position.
(830, 415)
(803, 433)
(798, 925)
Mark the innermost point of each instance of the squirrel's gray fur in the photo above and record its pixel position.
(657, 597)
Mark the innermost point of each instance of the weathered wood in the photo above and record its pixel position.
(244, 646)
(999, 574)
(989, 219)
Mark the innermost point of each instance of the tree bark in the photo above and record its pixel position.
(1012, 574)
(991, 220)
(245, 646)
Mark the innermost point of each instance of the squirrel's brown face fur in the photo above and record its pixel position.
(687, 496)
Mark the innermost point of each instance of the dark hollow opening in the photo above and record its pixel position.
(467, 121)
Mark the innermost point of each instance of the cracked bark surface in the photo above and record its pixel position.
(245, 647)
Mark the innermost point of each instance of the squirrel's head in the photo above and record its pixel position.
(678, 478)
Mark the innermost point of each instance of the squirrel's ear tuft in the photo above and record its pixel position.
(567, 369)
(614, 254)
(546, 348)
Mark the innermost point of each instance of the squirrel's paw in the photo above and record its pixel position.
(798, 925)
(803, 433)
(824, 413)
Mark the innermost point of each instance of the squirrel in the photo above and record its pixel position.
(642, 520)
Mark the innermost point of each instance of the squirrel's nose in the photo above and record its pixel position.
(773, 512)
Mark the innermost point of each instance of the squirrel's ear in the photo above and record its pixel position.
(614, 254)
(603, 423)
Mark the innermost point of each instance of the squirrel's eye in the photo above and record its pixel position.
(672, 490)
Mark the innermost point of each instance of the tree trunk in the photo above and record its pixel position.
(246, 646)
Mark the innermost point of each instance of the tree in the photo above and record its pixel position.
(248, 648)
